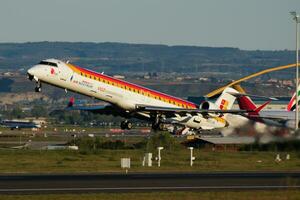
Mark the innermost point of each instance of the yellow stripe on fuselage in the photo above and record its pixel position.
(132, 88)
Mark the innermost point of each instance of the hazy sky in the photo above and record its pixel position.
(246, 24)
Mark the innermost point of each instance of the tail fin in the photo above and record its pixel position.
(226, 100)
(292, 104)
(245, 103)
(71, 102)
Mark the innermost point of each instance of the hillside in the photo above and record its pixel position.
(121, 57)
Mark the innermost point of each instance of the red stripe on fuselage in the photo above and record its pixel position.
(136, 87)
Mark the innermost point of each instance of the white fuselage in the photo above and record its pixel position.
(116, 92)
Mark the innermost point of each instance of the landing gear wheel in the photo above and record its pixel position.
(126, 125)
(161, 126)
(123, 125)
(38, 89)
(129, 125)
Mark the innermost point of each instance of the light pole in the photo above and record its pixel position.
(296, 17)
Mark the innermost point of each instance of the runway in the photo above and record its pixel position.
(141, 182)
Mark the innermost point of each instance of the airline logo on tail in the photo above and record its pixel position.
(226, 99)
(224, 104)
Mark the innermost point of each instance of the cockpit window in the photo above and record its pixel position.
(48, 63)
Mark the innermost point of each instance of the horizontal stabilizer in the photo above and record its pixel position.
(258, 109)
(250, 95)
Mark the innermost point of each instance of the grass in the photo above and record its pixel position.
(58, 161)
(227, 195)
(175, 160)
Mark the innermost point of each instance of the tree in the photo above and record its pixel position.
(16, 113)
(163, 139)
(39, 111)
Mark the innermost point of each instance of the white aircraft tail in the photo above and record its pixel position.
(226, 99)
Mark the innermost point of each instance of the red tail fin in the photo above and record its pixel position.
(71, 102)
(292, 104)
(245, 103)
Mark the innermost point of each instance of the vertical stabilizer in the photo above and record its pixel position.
(292, 104)
(245, 103)
(226, 100)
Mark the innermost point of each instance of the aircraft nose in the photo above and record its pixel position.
(32, 72)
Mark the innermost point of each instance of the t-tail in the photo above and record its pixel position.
(245, 103)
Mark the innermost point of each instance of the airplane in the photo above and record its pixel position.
(263, 120)
(225, 101)
(280, 118)
(130, 100)
(18, 124)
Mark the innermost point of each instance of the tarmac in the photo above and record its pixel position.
(147, 182)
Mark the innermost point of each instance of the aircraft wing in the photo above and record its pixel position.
(87, 108)
(278, 114)
(99, 109)
(170, 110)
(260, 118)
(251, 95)
(274, 118)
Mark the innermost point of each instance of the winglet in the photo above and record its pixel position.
(71, 102)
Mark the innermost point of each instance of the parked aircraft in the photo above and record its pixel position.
(279, 118)
(17, 124)
(131, 100)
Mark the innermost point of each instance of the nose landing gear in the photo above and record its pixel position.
(30, 77)
(38, 87)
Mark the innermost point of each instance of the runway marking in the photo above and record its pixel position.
(148, 188)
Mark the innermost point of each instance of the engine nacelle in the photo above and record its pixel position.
(206, 105)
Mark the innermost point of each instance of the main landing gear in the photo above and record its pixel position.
(158, 124)
(38, 87)
(126, 125)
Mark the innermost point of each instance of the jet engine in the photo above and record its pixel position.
(206, 105)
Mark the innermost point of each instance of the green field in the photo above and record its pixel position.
(67, 161)
(241, 195)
